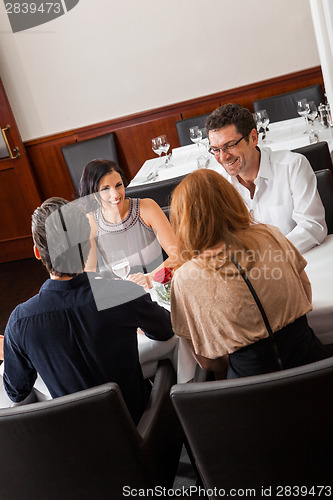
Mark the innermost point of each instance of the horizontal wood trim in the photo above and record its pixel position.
(133, 132)
(16, 249)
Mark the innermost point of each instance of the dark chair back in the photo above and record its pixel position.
(318, 155)
(77, 155)
(262, 431)
(183, 127)
(85, 445)
(159, 191)
(325, 189)
(284, 106)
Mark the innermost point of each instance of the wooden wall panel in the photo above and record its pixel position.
(19, 194)
(133, 138)
(134, 132)
(247, 94)
(50, 168)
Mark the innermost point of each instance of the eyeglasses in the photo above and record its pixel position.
(226, 147)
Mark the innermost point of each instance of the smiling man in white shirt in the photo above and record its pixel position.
(278, 187)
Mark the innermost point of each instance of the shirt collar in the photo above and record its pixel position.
(265, 169)
(66, 284)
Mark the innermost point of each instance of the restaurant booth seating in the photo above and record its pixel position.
(265, 431)
(183, 127)
(325, 189)
(77, 155)
(85, 446)
(318, 155)
(284, 106)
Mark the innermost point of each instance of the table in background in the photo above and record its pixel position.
(287, 134)
(184, 161)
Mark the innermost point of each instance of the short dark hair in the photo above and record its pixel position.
(61, 233)
(231, 114)
(91, 176)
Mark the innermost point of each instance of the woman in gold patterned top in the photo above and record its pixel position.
(212, 306)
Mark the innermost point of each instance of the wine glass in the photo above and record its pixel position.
(204, 141)
(157, 146)
(196, 135)
(263, 121)
(119, 264)
(258, 121)
(312, 115)
(161, 145)
(303, 109)
(165, 144)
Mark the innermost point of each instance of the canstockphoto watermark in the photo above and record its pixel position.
(24, 15)
(183, 492)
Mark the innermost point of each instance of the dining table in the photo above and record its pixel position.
(176, 349)
(283, 135)
(320, 272)
(291, 134)
(287, 134)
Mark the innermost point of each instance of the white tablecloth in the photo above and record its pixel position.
(320, 272)
(287, 134)
(184, 161)
(175, 349)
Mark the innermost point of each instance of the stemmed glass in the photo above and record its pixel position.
(257, 119)
(161, 145)
(196, 135)
(119, 264)
(303, 109)
(203, 159)
(204, 140)
(262, 121)
(312, 115)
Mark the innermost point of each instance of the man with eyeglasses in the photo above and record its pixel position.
(278, 187)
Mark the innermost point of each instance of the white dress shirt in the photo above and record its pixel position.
(286, 196)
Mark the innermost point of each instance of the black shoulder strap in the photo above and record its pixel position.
(261, 309)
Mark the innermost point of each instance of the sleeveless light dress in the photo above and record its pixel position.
(131, 235)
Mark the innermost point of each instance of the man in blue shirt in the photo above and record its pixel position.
(80, 330)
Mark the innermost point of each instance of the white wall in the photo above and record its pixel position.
(109, 58)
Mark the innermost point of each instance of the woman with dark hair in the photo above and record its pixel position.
(139, 227)
(211, 304)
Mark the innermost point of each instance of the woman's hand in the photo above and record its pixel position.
(141, 279)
